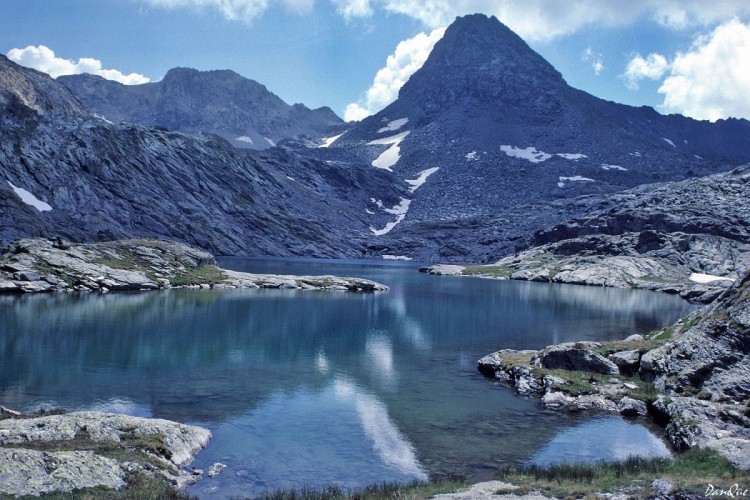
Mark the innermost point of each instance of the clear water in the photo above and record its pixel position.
(316, 388)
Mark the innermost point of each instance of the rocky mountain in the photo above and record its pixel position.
(224, 103)
(66, 173)
(487, 126)
(23, 88)
(486, 146)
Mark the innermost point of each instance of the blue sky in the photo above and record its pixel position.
(686, 56)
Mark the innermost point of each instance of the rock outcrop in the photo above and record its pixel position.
(689, 238)
(40, 265)
(30, 464)
(696, 383)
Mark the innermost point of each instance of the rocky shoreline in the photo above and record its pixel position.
(80, 450)
(43, 265)
(646, 273)
(692, 377)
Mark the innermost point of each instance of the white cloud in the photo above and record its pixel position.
(548, 19)
(596, 60)
(652, 67)
(711, 81)
(43, 59)
(408, 57)
(353, 8)
(234, 10)
(299, 6)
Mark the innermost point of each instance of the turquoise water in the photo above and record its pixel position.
(315, 388)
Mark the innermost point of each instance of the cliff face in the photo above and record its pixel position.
(712, 359)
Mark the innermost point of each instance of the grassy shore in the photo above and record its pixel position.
(689, 472)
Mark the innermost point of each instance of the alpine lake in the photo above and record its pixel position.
(311, 388)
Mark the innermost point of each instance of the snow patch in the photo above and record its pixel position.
(421, 178)
(398, 210)
(30, 199)
(530, 153)
(367, 210)
(244, 138)
(576, 178)
(394, 125)
(102, 118)
(396, 257)
(637, 153)
(572, 156)
(707, 278)
(668, 142)
(270, 141)
(472, 156)
(327, 141)
(390, 156)
(613, 167)
(392, 139)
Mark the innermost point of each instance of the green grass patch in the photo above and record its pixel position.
(203, 275)
(413, 491)
(489, 271)
(608, 348)
(690, 472)
(542, 258)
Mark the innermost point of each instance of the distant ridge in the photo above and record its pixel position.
(219, 102)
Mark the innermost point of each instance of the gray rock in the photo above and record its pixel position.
(713, 356)
(97, 267)
(26, 276)
(216, 469)
(30, 472)
(577, 357)
(630, 407)
(661, 486)
(627, 362)
(558, 400)
(182, 441)
(443, 269)
(634, 338)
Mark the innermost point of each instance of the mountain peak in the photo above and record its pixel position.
(481, 59)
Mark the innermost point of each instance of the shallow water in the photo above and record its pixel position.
(315, 388)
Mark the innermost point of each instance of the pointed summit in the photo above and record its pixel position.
(479, 59)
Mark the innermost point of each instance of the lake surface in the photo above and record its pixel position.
(315, 388)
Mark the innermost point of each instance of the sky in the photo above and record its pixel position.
(678, 56)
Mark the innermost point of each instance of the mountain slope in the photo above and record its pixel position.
(22, 88)
(497, 127)
(224, 103)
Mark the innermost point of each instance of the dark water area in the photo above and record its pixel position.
(316, 388)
